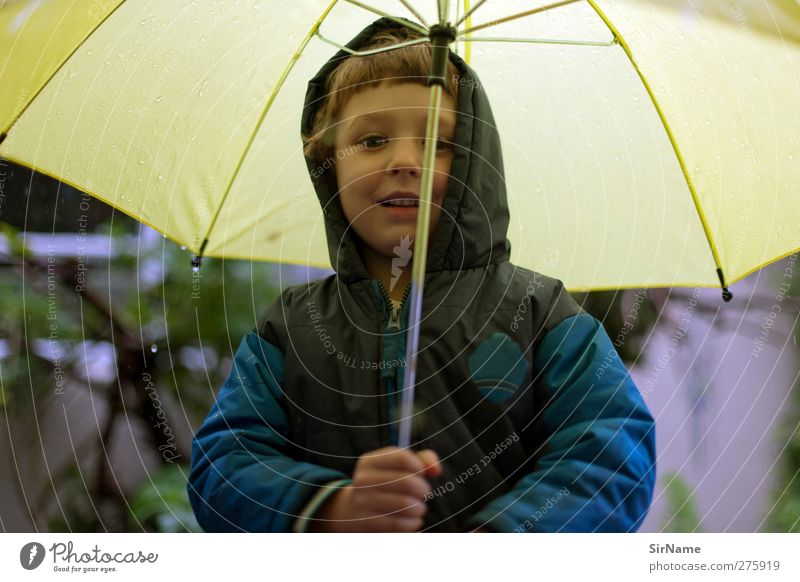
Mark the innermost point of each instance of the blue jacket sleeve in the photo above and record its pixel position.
(241, 477)
(596, 469)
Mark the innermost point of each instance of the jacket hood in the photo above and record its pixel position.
(474, 221)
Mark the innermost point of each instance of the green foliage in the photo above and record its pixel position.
(681, 515)
(144, 296)
(161, 503)
(71, 506)
(784, 515)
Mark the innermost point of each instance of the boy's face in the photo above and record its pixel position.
(379, 143)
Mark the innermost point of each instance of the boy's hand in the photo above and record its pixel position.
(387, 494)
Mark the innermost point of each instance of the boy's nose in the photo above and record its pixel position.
(405, 157)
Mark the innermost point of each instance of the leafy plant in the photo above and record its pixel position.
(681, 512)
(165, 321)
(161, 503)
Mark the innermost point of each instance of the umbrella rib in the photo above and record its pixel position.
(467, 20)
(4, 131)
(281, 80)
(469, 12)
(612, 42)
(725, 293)
(382, 49)
(444, 8)
(389, 16)
(518, 15)
(413, 11)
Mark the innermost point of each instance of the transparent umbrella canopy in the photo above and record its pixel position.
(645, 143)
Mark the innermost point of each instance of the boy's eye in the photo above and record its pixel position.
(373, 141)
(441, 144)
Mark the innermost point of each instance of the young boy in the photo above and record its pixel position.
(514, 427)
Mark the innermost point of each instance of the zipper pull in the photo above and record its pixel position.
(394, 317)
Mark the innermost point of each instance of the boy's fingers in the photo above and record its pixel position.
(430, 462)
(391, 481)
(385, 504)
(395, 459)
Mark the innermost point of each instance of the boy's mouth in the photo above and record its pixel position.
(401, 199)
(400, 202)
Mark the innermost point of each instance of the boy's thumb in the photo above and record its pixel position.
(430, 460)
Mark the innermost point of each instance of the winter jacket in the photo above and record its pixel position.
(521, 394)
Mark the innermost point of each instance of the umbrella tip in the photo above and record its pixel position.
(3, 136)
(726, 295)
(198, 258)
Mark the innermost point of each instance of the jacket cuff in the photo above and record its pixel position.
(311, 508)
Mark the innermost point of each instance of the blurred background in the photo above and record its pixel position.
(112, 347)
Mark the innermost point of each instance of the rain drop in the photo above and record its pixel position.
(154, 348)
(141, 162)
(195, 269)
(183, 247)
(160, 177)
(159, 98)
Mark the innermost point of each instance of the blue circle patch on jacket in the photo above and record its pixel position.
(498, 368)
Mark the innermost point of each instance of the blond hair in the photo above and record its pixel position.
(409, 64)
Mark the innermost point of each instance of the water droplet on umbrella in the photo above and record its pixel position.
(195, 269)
(160, 177)
(141, 162)
(183, 247)
(159, 98)
(154, 348)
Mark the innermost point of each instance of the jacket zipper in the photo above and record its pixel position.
(394, 312)
(390, 376)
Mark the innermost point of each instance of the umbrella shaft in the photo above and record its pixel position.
(418, 266)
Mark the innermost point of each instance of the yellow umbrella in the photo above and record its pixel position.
(645, 143)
